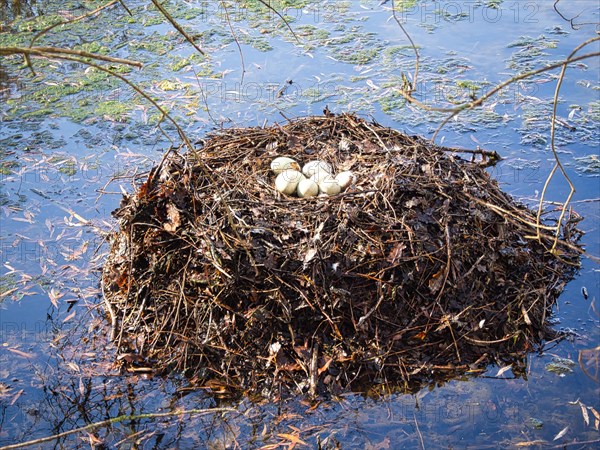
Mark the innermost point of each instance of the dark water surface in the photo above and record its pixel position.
(71, 138)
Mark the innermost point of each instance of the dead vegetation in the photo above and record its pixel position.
(423, 268)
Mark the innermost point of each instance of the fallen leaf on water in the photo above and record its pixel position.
(74, 214)
(20, 353)
(292, 438)
(383, 445)
(530, 443)
(7, 293)
(16, 397)
(503, 369)
(561, 433)
(54, 295)
(584, 413)
(69, 317)
(77, 253)
(596, 417)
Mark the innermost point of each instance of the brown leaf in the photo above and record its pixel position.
(174, 218)
(292, 438)
(530, 443)
(436, 281)
(396, 253)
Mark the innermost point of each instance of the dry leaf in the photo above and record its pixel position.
(54, 296)
(310, 254)
(174, 218)
(20, 353)
(584, 413)
(292, 438)
(530, 443)
(436, 281)
(561, 433)
(594, 412)
(503, 369)
(396, 253)
(16, 397)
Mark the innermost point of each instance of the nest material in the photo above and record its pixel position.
(423, 267)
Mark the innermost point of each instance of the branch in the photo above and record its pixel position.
(57, 52)
(558, 164)
(178, 27)
(414, 47)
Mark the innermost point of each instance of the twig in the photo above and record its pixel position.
(282, 18)
(235, 38)
(414, 47)
(558, 164)
(56, 52)
(178, 27)
(418, 433)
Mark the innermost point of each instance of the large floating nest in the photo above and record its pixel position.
(422, 268)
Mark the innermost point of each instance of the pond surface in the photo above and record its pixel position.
(72, 138)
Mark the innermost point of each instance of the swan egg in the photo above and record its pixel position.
(329, 185)
(345, 179)
(287, 181)
(316, 167)
(307, 188)
(282, 163)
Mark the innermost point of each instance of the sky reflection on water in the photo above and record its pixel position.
(55, 368)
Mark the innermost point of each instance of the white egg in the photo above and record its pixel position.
(329, 185)
(282, 163)
(316, 167)
(318, 177)
(345, 179)
(307, 188)
(287, 181)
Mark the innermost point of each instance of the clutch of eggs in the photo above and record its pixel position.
(314, 178)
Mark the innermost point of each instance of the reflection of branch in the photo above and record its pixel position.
(282, 18)
(178, 27)
(235, 38)
(414, 47)
(65, 22)
(572, 20)
(123, 418)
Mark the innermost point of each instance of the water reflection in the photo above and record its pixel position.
(57, 373)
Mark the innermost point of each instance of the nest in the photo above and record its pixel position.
(423, 268)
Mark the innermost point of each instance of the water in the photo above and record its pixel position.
(65, 155)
